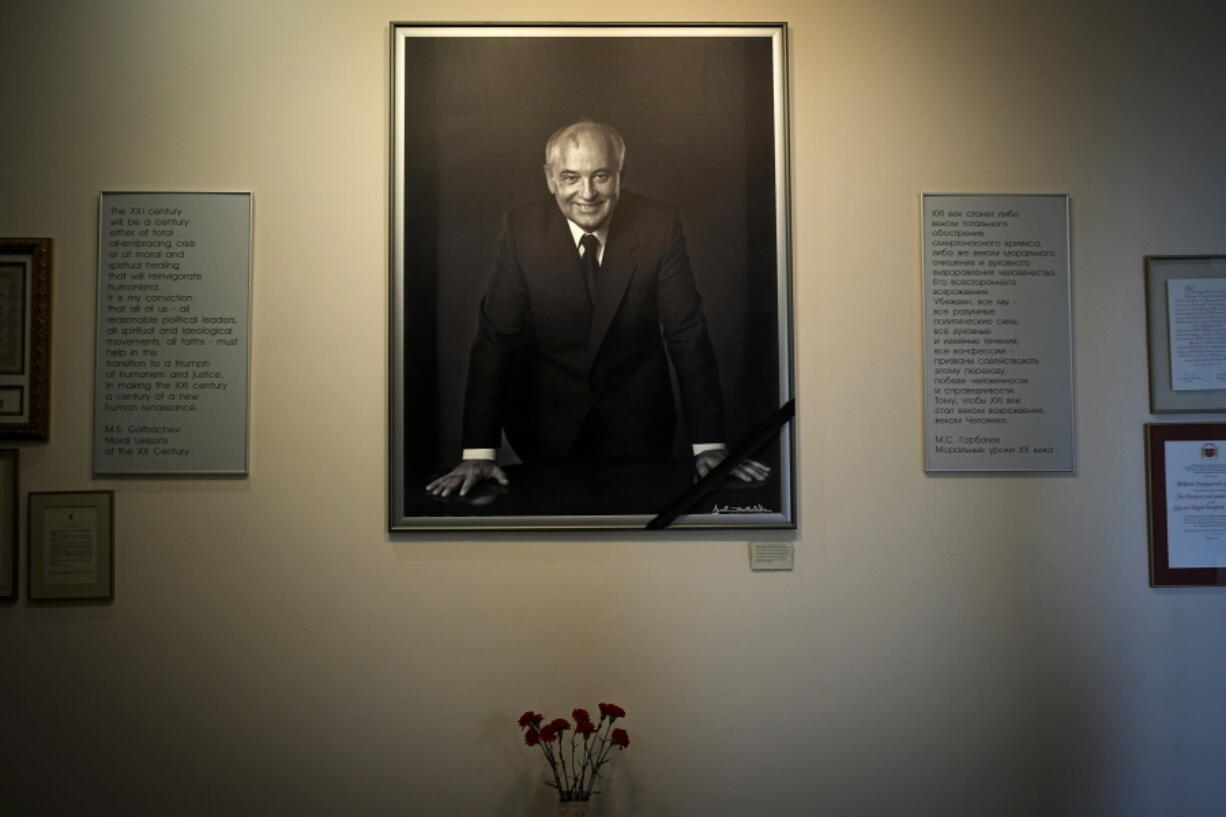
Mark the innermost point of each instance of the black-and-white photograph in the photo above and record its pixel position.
(590, 295)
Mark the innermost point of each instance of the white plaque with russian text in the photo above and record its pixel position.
(998, 363)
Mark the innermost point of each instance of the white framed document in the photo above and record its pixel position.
(1185, 298)
(1186, 466)
(71, 547)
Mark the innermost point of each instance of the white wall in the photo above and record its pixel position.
(946, 645)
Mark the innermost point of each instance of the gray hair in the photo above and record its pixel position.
(570, 133)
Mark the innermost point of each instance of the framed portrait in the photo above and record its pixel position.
(1186, 470)
(590, 317)
(25, 338)
(71, 552)
(8, 523)
(1185, 299)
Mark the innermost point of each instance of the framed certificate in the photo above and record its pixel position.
(71, 553)
(1187, 503)
(25, 338)
(1185, 298)
(8, 523)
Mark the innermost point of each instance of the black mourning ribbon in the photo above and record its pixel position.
(759, 436)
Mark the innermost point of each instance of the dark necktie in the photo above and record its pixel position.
(589, 263)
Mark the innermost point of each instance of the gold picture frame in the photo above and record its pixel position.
(25, 338)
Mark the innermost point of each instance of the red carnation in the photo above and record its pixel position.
(576, 780)
(611, 711)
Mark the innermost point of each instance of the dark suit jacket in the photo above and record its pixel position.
(550, 366)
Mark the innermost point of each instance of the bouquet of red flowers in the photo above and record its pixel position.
(590, 743)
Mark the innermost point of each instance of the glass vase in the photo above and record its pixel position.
(574, 808)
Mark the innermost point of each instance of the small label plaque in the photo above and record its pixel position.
(771, 555)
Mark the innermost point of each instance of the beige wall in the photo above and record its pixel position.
(953, 645)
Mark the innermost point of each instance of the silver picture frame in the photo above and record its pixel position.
(702, 110)
(1160, 271)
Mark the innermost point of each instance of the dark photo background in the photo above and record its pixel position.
(698, 120)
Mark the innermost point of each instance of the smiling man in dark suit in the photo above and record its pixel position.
(590, 299)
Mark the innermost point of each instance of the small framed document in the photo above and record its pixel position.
(1185, 299)
(1187, 503)
(71, 545)
(25, 338)
(8, 523)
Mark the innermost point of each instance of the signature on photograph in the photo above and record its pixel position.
(755, 508)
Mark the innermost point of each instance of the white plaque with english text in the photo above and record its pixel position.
(172, 355)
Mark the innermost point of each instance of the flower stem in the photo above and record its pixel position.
(553, 766)
(580, 784)
(601, 753)
(574, 768)
(562, 758)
